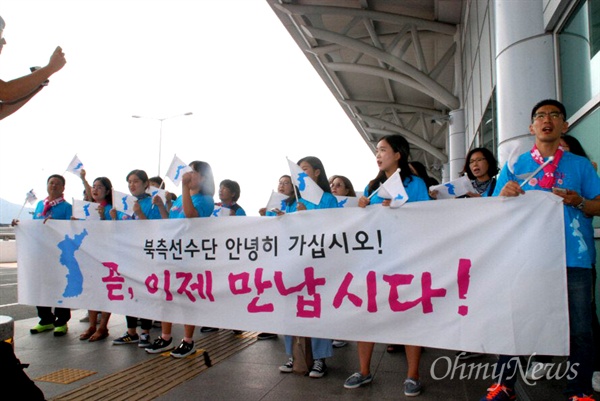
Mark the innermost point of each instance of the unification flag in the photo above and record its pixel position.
(221, 211)
(276, 201)
(123, 202)
(307, 187)
(30, 197)
(454, 188)
(347, 201)
(161, 193)
(85, 210)
(75, 166)
(393, 189)
(177, 169)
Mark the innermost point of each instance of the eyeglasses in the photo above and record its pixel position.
(555, 115)
(473, 161)
(337, 185)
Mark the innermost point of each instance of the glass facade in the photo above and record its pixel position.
(579, 50)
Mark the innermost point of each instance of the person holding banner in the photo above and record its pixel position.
(143, 209)
(392, 153)
(53, 207)
(229, 193)
(341, 186)
(573, 179)
(321, 348)
(481, 167)
(196, 200)
(420, 170)
(101, 192)
(288, 205)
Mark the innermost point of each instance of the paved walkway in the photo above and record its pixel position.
(237, 368)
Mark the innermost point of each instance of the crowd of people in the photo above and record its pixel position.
(570, 175)
(566, 171)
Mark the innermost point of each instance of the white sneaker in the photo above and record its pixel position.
(538, 370)
(596, 381)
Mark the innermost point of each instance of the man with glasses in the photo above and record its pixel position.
(14, 94)
(572, 178)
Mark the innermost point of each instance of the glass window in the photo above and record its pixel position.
(579, 48)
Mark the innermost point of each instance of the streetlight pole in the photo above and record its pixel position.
(189, 113)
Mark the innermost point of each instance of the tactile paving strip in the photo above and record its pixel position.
(156, 376)
(65, 376)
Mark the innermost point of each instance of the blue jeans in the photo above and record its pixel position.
(321, 348)
(579, 289)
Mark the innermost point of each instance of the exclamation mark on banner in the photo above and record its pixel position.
(463, 280)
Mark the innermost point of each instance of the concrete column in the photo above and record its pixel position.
(456, 143)
(524, 70)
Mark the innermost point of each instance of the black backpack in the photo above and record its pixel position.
(14, 378)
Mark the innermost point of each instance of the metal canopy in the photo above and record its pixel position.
(390, 63)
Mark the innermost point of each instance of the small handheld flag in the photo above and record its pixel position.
(85, 210)
(454, 188)
(161, 193)
(393, 189)
(221, 211)
(123, 202)
(347, 201)
(31, 197)
(307, 187)
(276, 201)
(177, 169)
(75, 166)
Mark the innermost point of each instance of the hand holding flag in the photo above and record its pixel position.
(29, 198)
(85, 210)
(454, 188)
(177, 169)
(393, 189)
(276, 201)
(123, 202)
(307, 187)
(161, 193)
(75, 166)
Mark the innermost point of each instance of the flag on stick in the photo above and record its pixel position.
(75, 166)
(454, 188)
(221, 211)
(123, 202)
(177, 169)
(276, 201)
(30, 197)
(347, 201)
(393, 189)
(86, 210)
(307, 187)
(154, 191)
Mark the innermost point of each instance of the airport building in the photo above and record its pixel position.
(452, 75)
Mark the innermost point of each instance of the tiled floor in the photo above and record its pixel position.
(248, 373)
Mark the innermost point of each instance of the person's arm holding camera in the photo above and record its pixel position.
(16, 93)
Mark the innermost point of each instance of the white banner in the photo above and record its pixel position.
(479, 274)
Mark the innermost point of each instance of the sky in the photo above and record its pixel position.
(256, 99)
